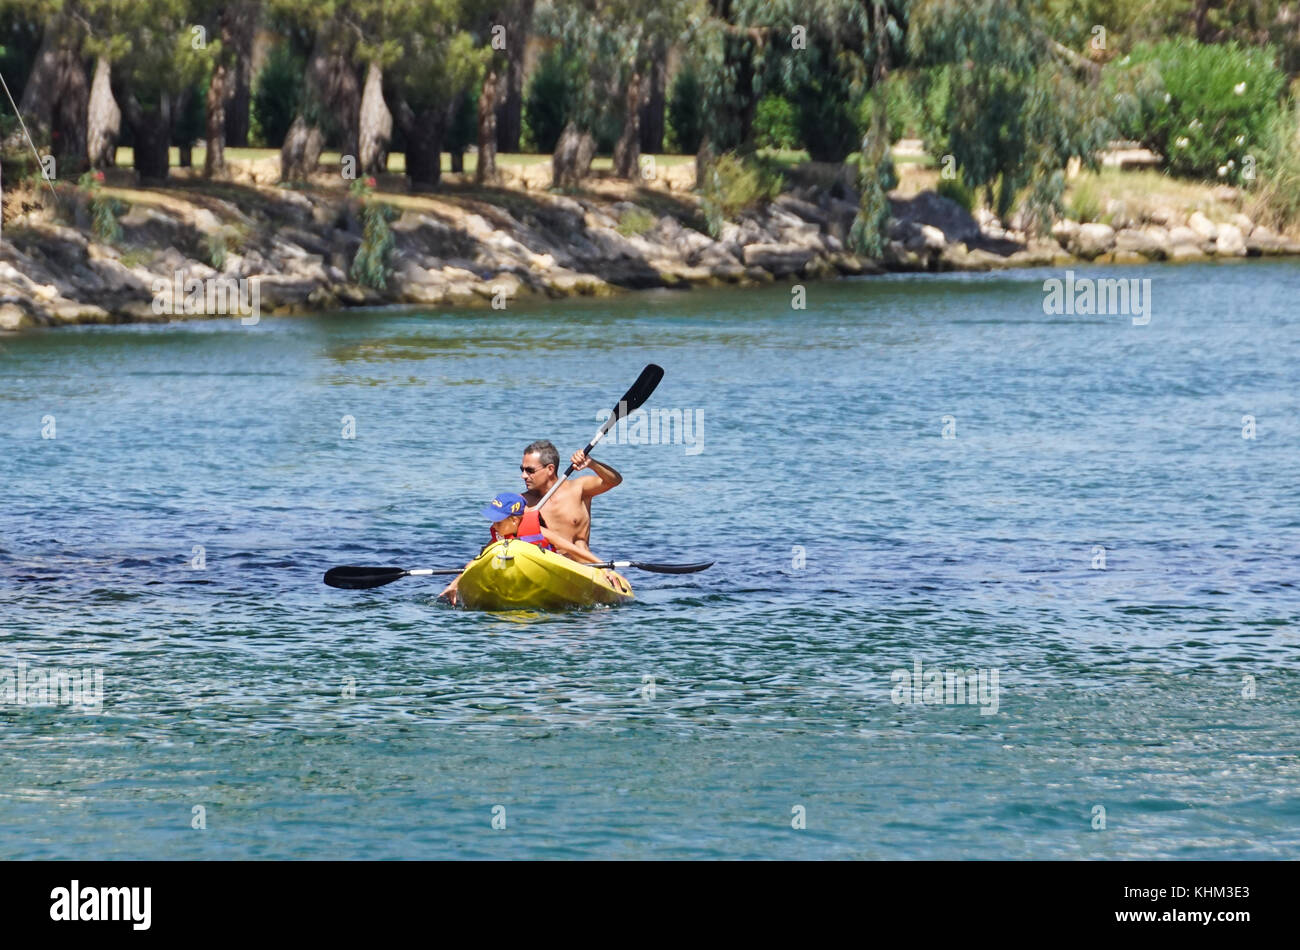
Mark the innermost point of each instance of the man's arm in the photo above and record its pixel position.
(568, 548)
(606, 478)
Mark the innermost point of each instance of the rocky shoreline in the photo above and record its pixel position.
(471, 251)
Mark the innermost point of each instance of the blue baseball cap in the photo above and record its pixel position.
(503, 506)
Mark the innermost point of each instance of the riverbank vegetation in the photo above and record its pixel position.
(1022, 113)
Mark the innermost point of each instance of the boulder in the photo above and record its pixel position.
(1244, 223)
(1165, 217)
(1186, 252)
(1093, 240)
(1230, 242)
(803, 209)
(779, 259)
(933, 237)
(1144, 243)
(1203, 226)
(928, 208)
(1184, 235)
(1065, 230)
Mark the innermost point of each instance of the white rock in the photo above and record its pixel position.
(1203, 226)
(933, 237)
(1064, 230)
(1243, 223)
(1230, 242)
(1094, 239)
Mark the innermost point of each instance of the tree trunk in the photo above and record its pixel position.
(239, 83)
(37, 102)
(332, 91)
(339, 92)
(1201, 21)
(572, 159)
(627, 150)
(703, 158)
(68, 134)
(511, 104)
(376, 124)
(214, 163)
(486, 172)
(653, 105)
(424, 152)
(54, 99)
(300, 153)
(103, 118)
(152, 132)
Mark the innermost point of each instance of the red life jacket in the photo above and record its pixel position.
(530, 530)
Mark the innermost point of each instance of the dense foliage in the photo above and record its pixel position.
(1203, 107)
(1003, 93)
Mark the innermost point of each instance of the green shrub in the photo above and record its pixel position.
(1210, 108)
(1276, 199)
(370, 266)
(903, 97)
(775, 123)
(1084, 204)
(549, 102)
(214, 249)
(733, 184)
(218, 244)
(955, 190)
(103, 211)
(635, 221)
(685, 125)
(277, 95)
(876, 177)
(827, 119)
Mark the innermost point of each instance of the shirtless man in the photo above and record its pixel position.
(568, 511)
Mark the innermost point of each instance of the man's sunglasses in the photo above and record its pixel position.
(528, 471)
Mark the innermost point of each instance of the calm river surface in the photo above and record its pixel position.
(1096, 533)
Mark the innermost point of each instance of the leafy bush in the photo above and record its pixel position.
(1210, 108)
(103, 211)
(277, 95)
(635, 221)
(775, 124)
(876, 177)
(904, 97)
(549, 102)
(827, 119)
(733, 184)
(1085, 200)
(685, 118)
(370, 266)
(955, 189)
(1277, 168)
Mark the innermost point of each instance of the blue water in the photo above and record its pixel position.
(852, 538)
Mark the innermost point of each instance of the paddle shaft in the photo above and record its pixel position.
(632, 400)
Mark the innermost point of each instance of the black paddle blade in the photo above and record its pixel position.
(632, 400)
(672, 568)
(362, 578)
(635, 397)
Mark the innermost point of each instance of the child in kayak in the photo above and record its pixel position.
(511, 518)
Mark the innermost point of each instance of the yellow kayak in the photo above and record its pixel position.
(516, 575)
